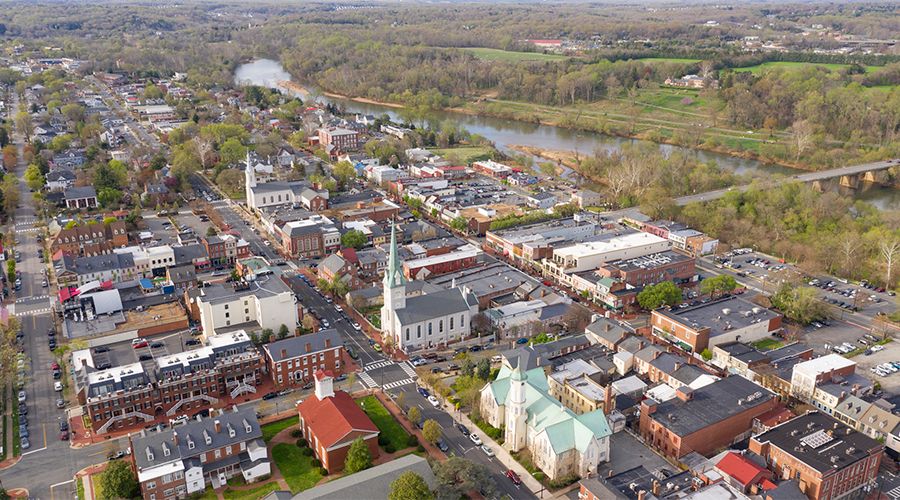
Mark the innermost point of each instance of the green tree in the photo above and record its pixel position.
(283, 332)
(34, 178)
(483, 369)
(409, 486)
(344, 172)
(414, 414)
(658, 295)
(151, 91)
(358, 457)
(231, 181)
(297, 139)
(718, 284)
(799, 303)
(707, 354)
(457, 476)
(232, 152)
(11, 270)
(460, 223)
(431, 431)
(354, 239)
(112, 175)
(118, 481)
(211, 231)
(71, 224)
(108, 197)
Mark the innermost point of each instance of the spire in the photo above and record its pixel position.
(517, 373)
(394, 275)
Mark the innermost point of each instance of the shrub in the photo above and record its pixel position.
(296, 433)
(539, 475)
(382, 440)
(316, 463)
(412, 440)
(389, 448)
(308, 452)
(562, 482)
(301, 443)
(420, 449)
(323, 471)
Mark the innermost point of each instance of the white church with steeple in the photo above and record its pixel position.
(558, 441)
(425, 321)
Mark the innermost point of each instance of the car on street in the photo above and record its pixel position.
(64, 436)
(63, 425)
(424, 392)
(138, 343)
(475, 439)
(60, 403)
(115, 455)
(22, 396)
(522, 340)
(270, 395)
(463, 429)
(487, 450)
(434, 401)
(24, 443)
(377, 347)
(442, 445)
(57, 386)
(511, 474)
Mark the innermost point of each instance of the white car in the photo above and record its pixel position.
(876, 348)
(57, 386)
(22, 396)
(434, 401)
(487, 450)
(475, 439)
(338, 308)
(356, 326)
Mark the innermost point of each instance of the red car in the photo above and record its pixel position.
(511, 474)
(54, 366)
(138, 343)
(64, 436)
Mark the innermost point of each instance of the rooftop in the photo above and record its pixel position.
(260, 288)
(373, 482)
(651, 261)
(820, 442)
(293, 347)
(720, 316)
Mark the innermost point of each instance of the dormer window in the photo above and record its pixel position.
(231, 432)
(206, 437)
(166, 450)
(190, 444)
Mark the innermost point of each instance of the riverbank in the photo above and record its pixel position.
(300, 89)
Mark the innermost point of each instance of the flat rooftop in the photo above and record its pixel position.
(720, 316)
(605, 243)
(651, 261)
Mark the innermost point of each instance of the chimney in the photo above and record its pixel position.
(608, 399)
(324, 387)
(284, 353)
(685, 393)
(607, 327)
(677, 365)
(655, 489)
(642, 495)
(175, 437)
(308, 347)
(327, 343)
(218, 426)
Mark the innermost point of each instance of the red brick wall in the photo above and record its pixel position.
(330, 363)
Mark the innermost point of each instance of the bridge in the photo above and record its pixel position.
(849, 177)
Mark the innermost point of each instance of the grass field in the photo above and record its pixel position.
(251, 494)
(269, 430)
(465, 154)
(208, 494)
(296, 467)
(486, 54)
(395, 434)
(767, 344)
(796, 65)
(669, 60)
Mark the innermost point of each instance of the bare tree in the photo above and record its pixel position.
(205, 151)
(889, 249)
(848, 248)
(802, 132)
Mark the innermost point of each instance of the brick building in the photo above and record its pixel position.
(80, 198)
(331, 421)
(652, 269)
(178, 384)
(292, 362)
(88, 240)
(341, 138)
(181, 461)
(705, 419)
(827, 459)
(441, 263)
(224, 250)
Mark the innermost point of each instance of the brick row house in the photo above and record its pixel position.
(292, 362)
(90, 239)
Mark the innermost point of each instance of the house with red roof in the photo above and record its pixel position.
(331, 421)
(745, 474)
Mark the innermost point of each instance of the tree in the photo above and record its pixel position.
(231, 181)
(232, 152)
(108, 197)
(483, 369)
(10, 156)
(431, 431)
(889, 249)
(358, 457)
(457, 476)
(283, 332)
(354, 239)
(799, 303)
(409, 486)
(118, 481)
(211, 231)
(718, 284)
(151, 91)
(343, 171)
(112, 175)
(460, 223)
(34, 178)
(658, 295)
(414, 414)
(802, 133)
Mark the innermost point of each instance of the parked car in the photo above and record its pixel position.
(22, 396)
(463, 429)
(511, 474)
(487, 450)
(270, 395)
(424, 392)
(60, 403)
(442, 445)
(138, 343)
(475, 439)
(57, 386)
(434, 401)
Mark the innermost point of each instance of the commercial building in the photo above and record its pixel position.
(312, 237)
(266, 302)
(826, 381)
(492, 169)
(581, 387)
(529, 244)
(651, 269)
(696, 328)
(341, 138)
(331, 421)
(682, 237)
(90, 239)
(178, 384)
(182, 461)
(828, 459)
(589, 255)
(292, 362)
(706, 419)
(225, 249)
(436, 265)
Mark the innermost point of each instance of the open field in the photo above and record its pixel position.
(465, 154)
(391, 430)
(796, 65)
(486, 54)
(272, 428)
(297, 468)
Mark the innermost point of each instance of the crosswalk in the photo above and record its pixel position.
(894, 494)
(367, 380)
(27, 230)
(32, 312)
(398, 383)
(32, 299)
(378, 364)
(408, 368)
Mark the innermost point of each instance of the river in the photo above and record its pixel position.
(504, 133)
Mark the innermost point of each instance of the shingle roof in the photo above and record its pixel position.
(333, 418)
(374, 482)
(296, 346)
(74, 193)
(434, 305)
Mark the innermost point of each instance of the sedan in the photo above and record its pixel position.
(22, 396)
(157, 345)
(463, 429)
(270, 395)
(434, 401)
(424, 392)
(442, 445)
(511, 474)
(138, 343)
(487, 450)
(60, 403)
(475, 439)
(64, 436)
(25, 444)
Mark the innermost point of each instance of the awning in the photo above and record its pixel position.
(146, 284)
(67, 293)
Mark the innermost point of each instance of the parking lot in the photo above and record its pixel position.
(123, 353)
(196, 223)
(769, 272)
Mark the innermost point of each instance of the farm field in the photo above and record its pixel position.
(795, 65)
(486, 54)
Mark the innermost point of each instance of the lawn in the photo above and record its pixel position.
(390, 429)
(767, 344)
(796, 65)
(251, 494)
(677, 60)
(296, 467)
(466, 154)
(209, 494)
(486, 54)
(269, 430)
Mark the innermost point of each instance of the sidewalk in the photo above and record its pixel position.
(396, 412)
(500, 453)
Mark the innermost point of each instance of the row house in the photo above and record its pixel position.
(292, 362)
(90, 239)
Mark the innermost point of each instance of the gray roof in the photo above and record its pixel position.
(183, 273)
(333, 263)
(374, 482)
(435, 305)
(187, 253)
(263, 287)
(687, 374)
(646, 354)
(709, 405)
(103, 262)
(631, 344)
(293, 347)
(60, 175)
(74, 193)
(608, 330)
(195, 431)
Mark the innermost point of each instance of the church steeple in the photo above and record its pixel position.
(250, 173)
(394, 275)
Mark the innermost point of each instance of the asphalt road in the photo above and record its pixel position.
(461, 445)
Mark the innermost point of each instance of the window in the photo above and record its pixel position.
(407, 334)
(451, 323)
(218, 453)
(441, 326)
(228, 451)
(429, 328)
(462, 320)
(418, 331)
(151, 485)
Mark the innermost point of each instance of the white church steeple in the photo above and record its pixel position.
(394, 291)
